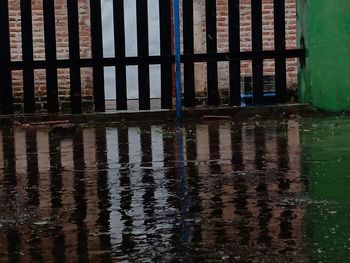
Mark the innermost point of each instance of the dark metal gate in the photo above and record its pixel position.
(166, 59)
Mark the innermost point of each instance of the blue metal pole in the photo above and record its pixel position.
(177, 59)
(185, 202)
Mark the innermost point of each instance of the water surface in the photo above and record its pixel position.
(255, 191)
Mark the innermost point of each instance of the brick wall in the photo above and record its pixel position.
(62, 52)
(245, 39)
(199, 27)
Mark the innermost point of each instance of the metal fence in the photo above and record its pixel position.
(166, 58)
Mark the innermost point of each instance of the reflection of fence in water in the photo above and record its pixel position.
(118, 189)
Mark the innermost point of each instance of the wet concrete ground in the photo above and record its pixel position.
(218, 191)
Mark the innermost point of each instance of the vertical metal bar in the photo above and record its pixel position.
(148, 180)
(97, 53)
(236, 146)
(123, 148)
(103, 193)
(165, 50)
(50, 55)
(257, 46)
(212, 67)
(146, 147)
(119, 50)
(58, 237)
(215, 167)
(14, 245)
(74, 56)
(183, 191)
(80, 211)
(234, 45)
(143, 51)
(6, 96)
(260, 147)
(188, 45)
(56, 184)
(214, 148)
(126, 191)
(262, 191)
(284, 167)
(280, 45)
(9, 153)
(177, 59)
(283, 161)
(27, 50)
(193, 178)
(33, 196)
(35, 244)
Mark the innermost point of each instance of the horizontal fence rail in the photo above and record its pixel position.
(153, 60)
(51, 64)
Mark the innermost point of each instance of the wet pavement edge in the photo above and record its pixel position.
(235, 113)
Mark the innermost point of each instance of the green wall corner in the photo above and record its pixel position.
(324, 76)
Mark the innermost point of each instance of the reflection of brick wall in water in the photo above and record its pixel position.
(199, 27)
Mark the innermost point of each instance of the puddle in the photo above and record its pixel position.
(217, 191)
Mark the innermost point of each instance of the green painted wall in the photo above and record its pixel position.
(325, 31)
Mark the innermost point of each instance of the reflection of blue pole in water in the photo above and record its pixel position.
(183, 190)
(177, 59)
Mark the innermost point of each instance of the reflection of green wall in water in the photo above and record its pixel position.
(326, 168)
(325, 81)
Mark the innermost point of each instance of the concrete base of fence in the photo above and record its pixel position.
(235, 113)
